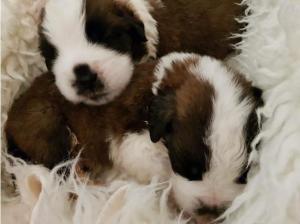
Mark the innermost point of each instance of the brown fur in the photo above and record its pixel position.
(36, 124)
(198, 26)
(184, 25)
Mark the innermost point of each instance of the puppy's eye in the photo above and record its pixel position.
(94, 31)
(195, 173)
(242, 179)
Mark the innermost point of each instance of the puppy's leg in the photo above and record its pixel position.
(136, 155)
(35, 128)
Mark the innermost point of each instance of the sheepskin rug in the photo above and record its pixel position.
(269, 56)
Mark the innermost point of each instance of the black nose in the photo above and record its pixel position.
(86, 79)
(211, 210)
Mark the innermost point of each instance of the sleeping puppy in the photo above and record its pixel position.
(92, 45)
(185, 117)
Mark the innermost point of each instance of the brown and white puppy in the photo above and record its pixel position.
(207, 121)
(91, 45)
(195, 110)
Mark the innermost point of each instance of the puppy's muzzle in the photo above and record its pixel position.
(87, 82)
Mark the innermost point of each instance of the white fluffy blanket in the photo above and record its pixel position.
(270, 56)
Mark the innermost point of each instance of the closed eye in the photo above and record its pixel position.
(242, 179)
(194, 172)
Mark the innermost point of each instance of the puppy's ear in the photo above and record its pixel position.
(136, 27)
(137, 30)
(161, 114)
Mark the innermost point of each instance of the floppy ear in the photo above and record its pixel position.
(161, 112)
(136, 30)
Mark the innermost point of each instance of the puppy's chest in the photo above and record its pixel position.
(125, 120)
(129, 113)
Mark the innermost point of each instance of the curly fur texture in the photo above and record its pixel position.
(20, 59)
(270, 56)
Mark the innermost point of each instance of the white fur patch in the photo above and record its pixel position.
(65, 30)
(140, 157)
(166, 63)
(142, 9)
(226, 135)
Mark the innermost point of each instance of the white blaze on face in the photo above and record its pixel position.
(64, 27)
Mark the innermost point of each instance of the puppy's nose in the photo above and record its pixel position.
(86, 79)
(211, 210)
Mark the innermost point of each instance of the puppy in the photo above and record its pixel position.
(185, 117)
(92, 45)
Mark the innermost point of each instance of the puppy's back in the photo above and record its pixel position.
(35, 127)
(201, 26)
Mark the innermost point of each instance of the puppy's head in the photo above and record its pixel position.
(91, 46)
(205, 116)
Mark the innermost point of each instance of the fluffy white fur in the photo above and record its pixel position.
(229, 116)
(46, 198)
(65, 30)
(228, 151)
(20, 62)
(270, 56)
(138, 156)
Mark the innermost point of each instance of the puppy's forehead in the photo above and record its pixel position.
(177, 73)
(194, 99)
(194, 96)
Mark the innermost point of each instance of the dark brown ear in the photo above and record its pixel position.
(136, 31)
(161, 114)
